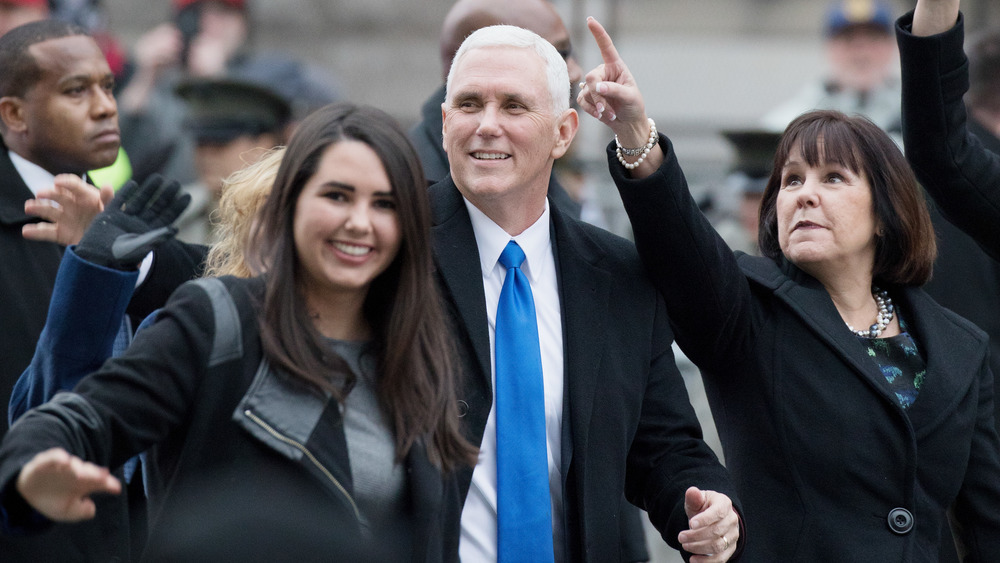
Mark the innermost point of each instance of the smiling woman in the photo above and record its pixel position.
(324, 387)
(346, 232)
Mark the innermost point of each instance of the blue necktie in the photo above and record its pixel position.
(524, 509)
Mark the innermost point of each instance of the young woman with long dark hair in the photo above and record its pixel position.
(304, 411)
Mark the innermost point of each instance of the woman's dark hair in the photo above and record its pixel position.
(418, 378)
(906, 248)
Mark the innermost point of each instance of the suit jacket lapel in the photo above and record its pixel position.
(953, 358)
(13, 193)
(457, 257)
(808, 299)
(584, 294)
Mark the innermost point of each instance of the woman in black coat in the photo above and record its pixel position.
(308, 413)
(854, 411)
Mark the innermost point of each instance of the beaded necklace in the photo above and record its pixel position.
(882, 320)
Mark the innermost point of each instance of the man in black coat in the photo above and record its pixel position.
(58, 119)
(616, 414)
(57, 116)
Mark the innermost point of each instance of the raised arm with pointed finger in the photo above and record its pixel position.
(611, 95)
(799, 396)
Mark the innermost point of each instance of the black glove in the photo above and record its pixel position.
(136, 220)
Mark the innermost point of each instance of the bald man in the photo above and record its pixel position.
(465, 17)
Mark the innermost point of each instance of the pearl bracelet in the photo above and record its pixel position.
(642, 152)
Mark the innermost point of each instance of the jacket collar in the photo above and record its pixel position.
(954, 348)
(457, 258)
(13, 193)
(584, 287)
(585, 284)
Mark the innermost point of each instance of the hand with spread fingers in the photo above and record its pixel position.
(714, 526)
(610, 94)
(66, 210)
(133, 223)
(58, 485)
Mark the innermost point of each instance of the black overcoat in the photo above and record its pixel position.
(829, 466)
(627, 421)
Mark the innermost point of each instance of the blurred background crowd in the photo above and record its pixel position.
(711, 69)
(201, 83)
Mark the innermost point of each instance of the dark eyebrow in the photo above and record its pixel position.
(350, 188)
(512, 97)
(466, 95)
(339, 186)
(86, 78)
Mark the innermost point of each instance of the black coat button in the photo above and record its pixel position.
(900, 520)
(463, 408)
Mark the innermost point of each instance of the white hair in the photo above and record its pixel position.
(513, 36)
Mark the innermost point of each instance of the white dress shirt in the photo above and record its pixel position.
(479, 516)
(34, 176)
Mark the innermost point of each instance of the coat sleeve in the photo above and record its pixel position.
(131, 403)
(174, 262)
(954, 167)
(85, 317)
(668, 454)
(706, 293)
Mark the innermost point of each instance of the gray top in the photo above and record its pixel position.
(379, 482)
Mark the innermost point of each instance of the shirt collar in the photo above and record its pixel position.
(492, 239)
(34, 176)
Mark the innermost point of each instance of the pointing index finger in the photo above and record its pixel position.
(608, 52)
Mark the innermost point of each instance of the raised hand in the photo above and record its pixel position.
(610, 94)
(133, 223)
(714, 527)
(58, 485)
(931, 17)
(67, 209)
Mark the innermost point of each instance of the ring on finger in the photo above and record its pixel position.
(582, 85)
(726, 541)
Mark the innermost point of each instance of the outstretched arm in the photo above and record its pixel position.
(689, 263)
(58, 485)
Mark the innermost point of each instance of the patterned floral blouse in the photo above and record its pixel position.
(901, 363)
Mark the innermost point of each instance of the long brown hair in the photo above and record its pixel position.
(906, 248)
(417, 381)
